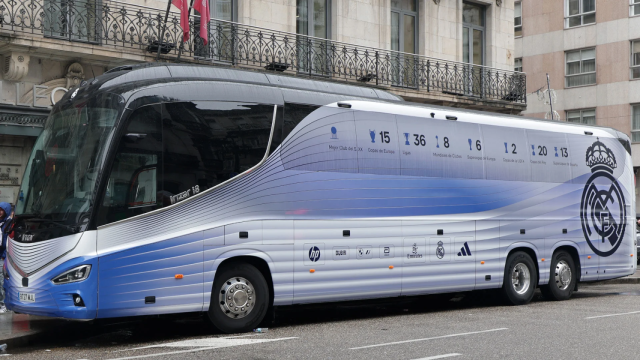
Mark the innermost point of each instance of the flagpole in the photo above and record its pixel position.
(166, 17)
(182, 43)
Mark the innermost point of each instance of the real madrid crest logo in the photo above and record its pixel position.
(602, 209)
(440, 250)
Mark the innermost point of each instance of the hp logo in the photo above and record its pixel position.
(314, 254)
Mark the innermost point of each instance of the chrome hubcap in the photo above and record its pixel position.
(237, 297)
(520, 278)
(563, 275)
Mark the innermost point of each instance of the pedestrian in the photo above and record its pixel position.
(5, 228)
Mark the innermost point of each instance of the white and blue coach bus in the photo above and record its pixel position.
(167, 189)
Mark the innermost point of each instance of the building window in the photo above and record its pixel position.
(75, 21)
(313, 18)
(635, 123)
(473, 33)
(517, 20)
(580, 67)
(517, 64)
(586, 117)
(404, 26)
(579, 12)
(634, 7)
(635, 59)
(224, 9)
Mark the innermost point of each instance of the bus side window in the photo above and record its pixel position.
(209, 142)
(135, 182)
(294, 114)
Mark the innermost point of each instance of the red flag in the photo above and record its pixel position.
(202, 6)
(183, 5)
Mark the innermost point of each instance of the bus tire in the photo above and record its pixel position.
(239, 299)
(562, 278)
(520, 278)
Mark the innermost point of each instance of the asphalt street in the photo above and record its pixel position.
(600, 321)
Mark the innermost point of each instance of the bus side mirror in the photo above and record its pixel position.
(133, 137)
(142, 188)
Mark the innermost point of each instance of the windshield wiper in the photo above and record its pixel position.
(71, 229)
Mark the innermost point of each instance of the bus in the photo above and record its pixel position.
(159, 189)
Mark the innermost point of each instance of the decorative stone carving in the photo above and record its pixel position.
(16, 66)
(499, 2)
(75, 75)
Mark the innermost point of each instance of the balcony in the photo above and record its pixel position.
(136, 30)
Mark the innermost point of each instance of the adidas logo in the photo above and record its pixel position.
(464, 251)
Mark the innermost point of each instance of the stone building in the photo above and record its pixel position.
(445, 52)
(591, 51)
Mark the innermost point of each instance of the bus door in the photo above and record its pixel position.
(139, 279)
(346, 260)
(438, 256)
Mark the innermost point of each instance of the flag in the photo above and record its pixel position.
(202, 6)
(183, 5)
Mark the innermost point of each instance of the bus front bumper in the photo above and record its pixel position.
(42, 297)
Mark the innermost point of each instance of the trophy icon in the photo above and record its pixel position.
(406, 137)
(372, 133)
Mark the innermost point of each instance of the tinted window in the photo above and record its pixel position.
(293, 114)
(207, 143)
(171, 152)
(136, 175)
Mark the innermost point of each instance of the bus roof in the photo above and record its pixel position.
(145, 74)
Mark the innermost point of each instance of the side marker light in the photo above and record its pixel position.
(390, 266)
(481, 262)
(312, 270)
(631, 255)
(542, 259)
(588, 257)
(179, 276)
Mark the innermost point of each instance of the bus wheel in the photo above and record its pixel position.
(563, 277)
(520, 278)
(240, 298)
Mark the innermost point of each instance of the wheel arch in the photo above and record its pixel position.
(527, 248)
(258, 259)
(572, 249)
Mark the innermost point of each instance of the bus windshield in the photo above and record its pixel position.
(60, 179)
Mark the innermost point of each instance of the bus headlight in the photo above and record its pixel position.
(74, 275)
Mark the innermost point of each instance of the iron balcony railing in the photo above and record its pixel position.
(114, 23)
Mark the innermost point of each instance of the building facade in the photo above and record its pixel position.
(445, 52)
(591, 51)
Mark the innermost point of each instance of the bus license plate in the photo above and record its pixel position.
(27, 297)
